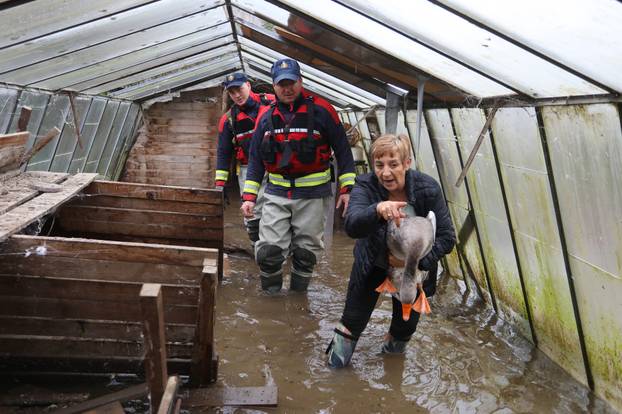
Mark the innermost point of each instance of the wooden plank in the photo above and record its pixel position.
(57, 288)
(154, 342)
(24, 118)
(80, 328)
(63, 347)
(153, 230)
(89, 309)
(18, 192)
(137, 391)
(156, 192)
(37, 365)
(15, 139)
(200, 243)
(110, 250)
(12, 148)
(143, 217)
(210, 210)
(169, 399)
(203, 371)
(20, 217)
(111, 408)
(266, 396)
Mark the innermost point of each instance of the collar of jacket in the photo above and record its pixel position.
(408, 185)
(293, 107)
(252, 102)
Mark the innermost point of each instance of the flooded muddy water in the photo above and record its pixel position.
(462, 359)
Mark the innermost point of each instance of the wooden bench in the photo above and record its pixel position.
(145, 213)
(72, 305)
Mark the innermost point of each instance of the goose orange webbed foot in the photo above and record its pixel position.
(422, 305)
(386, 286)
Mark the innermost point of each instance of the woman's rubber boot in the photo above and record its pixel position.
(393, 346)
(340, 349)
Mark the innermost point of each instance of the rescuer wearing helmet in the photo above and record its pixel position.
(293, 141)
(235, 130)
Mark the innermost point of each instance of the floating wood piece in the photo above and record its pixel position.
(169, 399)
(152, 310)
(478, 143)
(38, 145)
(112, 408)
(266, 396)
(20, 217)
(24, 118)
(137, 391)
(76, 117)
(12, 147)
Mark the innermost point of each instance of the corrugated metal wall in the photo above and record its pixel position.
(107, 128)
(539, 223)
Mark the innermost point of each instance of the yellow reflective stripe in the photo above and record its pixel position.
(222, 175)
(310, 180)
(346, 179)
(251, 187)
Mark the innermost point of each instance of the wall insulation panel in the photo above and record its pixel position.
(530, 203)
(585, 146)
(491, 219)
(443, 143)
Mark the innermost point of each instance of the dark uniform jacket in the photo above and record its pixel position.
(329, 135)
(363, 223)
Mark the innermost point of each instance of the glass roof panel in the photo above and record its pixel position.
(212, 56)
(479, 48)
(201, 73)
(36, 18)
(312, 73)
(88, 56)
(394, 44)
(103, 30)
(139, 60)
(583, 35)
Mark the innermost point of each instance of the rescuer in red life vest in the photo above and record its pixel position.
(293, 141)
(235, 130)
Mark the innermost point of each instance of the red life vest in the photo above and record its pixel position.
(294, 149)
(243, 127)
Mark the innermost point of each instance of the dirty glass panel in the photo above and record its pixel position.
(400, 47)
(491, 218)
(89, 129)
(124, 136)
(33, 19)
(381, 116)
(329, 80)
(67, 62)
(449, 167)
(583, 35)
(127, 147)
(360, 150)
(55, 115)
(101, 136)
(8, 99)
(113, 137)
(69, 138)
(178, 79)
(585, 146)
(100, 31)
(200, 59)
(490, 54)
(37, 101)
(140, 60)
(524, 173)
(423, 151)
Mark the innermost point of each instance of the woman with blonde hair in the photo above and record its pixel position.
(391, 192)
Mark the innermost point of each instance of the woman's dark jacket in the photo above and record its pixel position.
(363, 223)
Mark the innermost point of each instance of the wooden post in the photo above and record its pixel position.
(24, 118)
(203, 370)
(152, 310)
(169, 399)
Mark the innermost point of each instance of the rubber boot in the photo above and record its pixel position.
(272, 283)
(393, 346)
(299, 282)
(340, 349)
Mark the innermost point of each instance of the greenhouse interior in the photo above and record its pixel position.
(112, 226)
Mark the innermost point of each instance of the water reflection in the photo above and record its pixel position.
(461, 359)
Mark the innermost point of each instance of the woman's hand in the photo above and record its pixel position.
(391, 210)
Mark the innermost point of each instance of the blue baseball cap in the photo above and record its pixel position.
(285, 69)
(235, 79)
